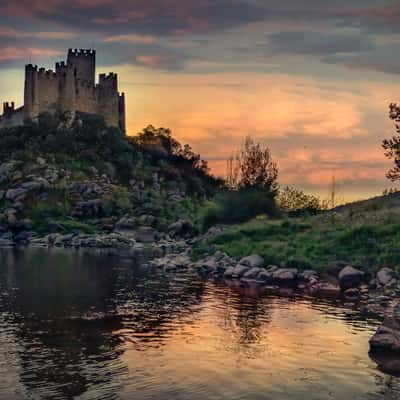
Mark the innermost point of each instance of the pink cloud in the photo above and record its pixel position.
(13, 33)
(14, 53)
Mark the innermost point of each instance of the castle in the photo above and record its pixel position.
(71, 88)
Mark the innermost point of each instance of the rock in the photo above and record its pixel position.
(126, 223)
(239, 271)
(229, 272)
(326, 289)
(352, 294)
(253, 261)
(89, 209)
(145, 234)
(385, 275)
(265, 276)
(16, 194)
(285, 276)
(252, 273)
(385, 346)
(307, 275)
(350, 277)
(182, 228)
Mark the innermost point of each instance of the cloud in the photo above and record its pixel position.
(318, 43)
(9, 54)
(142, 39)
(157, 17)
(17, 34)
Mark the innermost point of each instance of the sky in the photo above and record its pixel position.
(311, 79)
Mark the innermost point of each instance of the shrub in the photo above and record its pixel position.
(295, 202)
(231, 207)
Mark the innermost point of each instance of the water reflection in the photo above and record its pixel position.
(78, 324)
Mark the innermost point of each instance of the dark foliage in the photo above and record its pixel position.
(89, 141)
(392, 145)
(295, 202)
(177, 161)
(236, 206)
(257, 169)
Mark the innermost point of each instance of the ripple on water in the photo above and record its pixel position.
(89, 326)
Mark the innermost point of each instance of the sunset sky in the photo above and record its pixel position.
(312, 79)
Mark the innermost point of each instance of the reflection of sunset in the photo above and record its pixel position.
(279, 342)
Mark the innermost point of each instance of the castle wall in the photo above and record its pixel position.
(48, 89)
(12, 118)
(86, 98)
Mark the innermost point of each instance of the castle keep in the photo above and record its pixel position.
(71, 88)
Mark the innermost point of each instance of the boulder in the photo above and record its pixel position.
(229, 272)
(307, 275)
(145, 234)
(265, 276)
(387, 336)
(352, 294)
(89, 209)
(16, 194)
(252, 273)
(126, 224)
(385, 275)
(239, 271)
(182, 228)
(285, 276)
(350, 277)
(385, 346)
(253, 261)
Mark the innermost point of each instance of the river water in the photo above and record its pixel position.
(96, 325)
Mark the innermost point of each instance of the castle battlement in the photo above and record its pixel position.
(81, 52)
(70, 88)
(31, 67)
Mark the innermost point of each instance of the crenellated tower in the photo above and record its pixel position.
(70, 88)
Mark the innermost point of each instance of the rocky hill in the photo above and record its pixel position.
(89, 185)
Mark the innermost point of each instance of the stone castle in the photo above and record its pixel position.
(71, 88)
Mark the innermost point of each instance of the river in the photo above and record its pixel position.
(101, 325)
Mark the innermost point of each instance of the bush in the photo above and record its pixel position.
(231, 207)
(295, 202)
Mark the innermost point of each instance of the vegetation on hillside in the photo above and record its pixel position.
(90, 143)
(368, 239)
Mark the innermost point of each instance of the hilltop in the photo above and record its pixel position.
(59, 182)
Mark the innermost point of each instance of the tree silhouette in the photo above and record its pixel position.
(392, 145)
(257, 168)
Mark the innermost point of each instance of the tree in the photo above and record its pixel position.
(392, 145)
(257, 169)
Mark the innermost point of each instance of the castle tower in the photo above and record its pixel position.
(121, 112)
(108, 99)
(84, 63)
(66, 87)
(31, 92)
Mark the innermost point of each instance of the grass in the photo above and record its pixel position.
(369, 240)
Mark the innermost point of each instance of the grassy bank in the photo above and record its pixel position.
(366, 238)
